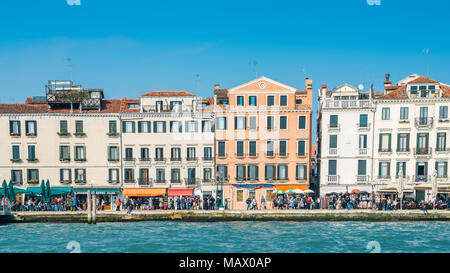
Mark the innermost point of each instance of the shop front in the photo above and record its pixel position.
(180, 198)
(106, 197)
(237, 195)
(147, 198)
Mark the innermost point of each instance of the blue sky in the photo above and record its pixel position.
(132, 47)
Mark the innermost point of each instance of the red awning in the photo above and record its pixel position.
(180, 192)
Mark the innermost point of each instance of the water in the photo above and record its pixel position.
(238, 237)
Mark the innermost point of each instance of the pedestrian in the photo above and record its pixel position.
(263, 202)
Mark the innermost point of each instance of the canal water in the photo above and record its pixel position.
(293, 237)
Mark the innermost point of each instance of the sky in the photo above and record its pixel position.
(131, 47)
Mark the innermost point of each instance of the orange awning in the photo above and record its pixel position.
(144, 192)
(291, 187)
(180, 192)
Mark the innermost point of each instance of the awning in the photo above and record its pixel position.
(60, 190)
(254, 186)
(291, 187)
(144, 192)
(180, 192)
(34, 190)
(96, 190)
(16, 191)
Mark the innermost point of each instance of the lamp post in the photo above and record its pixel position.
(220, 181)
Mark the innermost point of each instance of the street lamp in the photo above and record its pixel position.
(221, 181)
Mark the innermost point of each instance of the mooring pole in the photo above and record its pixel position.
(94, 209)
(89, 207)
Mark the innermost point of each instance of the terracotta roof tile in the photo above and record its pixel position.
(398, 93)
(422, 79)
(445, 91)
(19, 108)
(168, 93)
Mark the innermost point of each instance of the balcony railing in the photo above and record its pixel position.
(113, 160)
(63, 134)
(17, 182)
(332, 179)
(175, 159)
(129, 159)
(402, 150)
(65, 181)
(16, 160)
(442, 150)
(144, 181)
(160, 159)
(128, 180)
(191, 158)
(424, 122)
(422, 151)
(362, 151)
(191, 181)
(161, 181)
(113, 181)
(385, 150)
(362, 178)
(421, 178)
(208, 158)
(334, 126)
(145, 159)
(332, 151)
(348, 103)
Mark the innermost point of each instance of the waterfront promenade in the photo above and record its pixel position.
(236, 215)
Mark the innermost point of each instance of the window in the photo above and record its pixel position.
(221, 123)
(270, 123)
(270, 100)
(252, 123)
(207, 174)
(113, 175)
(221, 149)
(129, 154)
(33, 175)
(443, 112)
(423, 119)
(65, 175)
(207, 126)
(191, 176)
(222, 172)
(333, 121)
(385, 113)
(385, 143)
(252, 148)
(282, 151)
(14, 128)
(143, 176)
(298, 101)
(30, 128)
(301, 122)
(145, 154)
(441, 142)
(300, 172)
(401, 166)
(362, 167)
(239, 196)
(282, 172)
(159, 126)
(32, 153)
(64, 153)
(175, 154)
(403, 142)
(240, 100)
(240, 148)
(270, 172)
(175, 105)
(112, 127)
(191, 153)
(239, 123)
(80, 153)
(144, 127)
(421, 171)
(207, 153)
(175, 176)
(332, 167)
(251, 194)
(113, 153)
(175, 127)
(128, 127)
(159, 106)
(301, 148)
(283, 100)
(79, 127)
(128, 175)
(404, 113)
(423, 91)
(252, 172)
(384, 169)
(270, 148)
(16, 176)
(422, 143)
(441, 169)
(363, 121)
(160, 175)
(269, 195)
(159, 154)
(191, 126)
(363, 141)
(283, 122)
(240, 172)
(63, 127)
(252, 101)
(333, 141)
(80, 175)
(16, 153)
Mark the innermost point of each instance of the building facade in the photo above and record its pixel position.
(411, 135)
(263, 139)
(345, 126)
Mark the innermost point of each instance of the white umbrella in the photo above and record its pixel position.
(400, 187)
(308, 191)
(434, 190)
(299, 191)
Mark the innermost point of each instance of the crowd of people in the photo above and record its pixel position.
(169, 203)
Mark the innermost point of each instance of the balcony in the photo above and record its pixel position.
(31, 134)
(113, 181)
(17, 182)
(63, 134)
(145, 159)
(252, 155)
(332, 151)
(385, 150)
(16, 160)
(192, 181)
(33, 181)
(207, 181)
(175, 181)
(64, 159)
(424, 122)
(363, 126)
(191, 158)
(334, 127)
(362, 178)
(333, 179)
(160, 181)
(442, 150)
(422, 151)
(348, 104)
(282, 179)
(207, 158)
(175, 159)
(79, 134)
(113, 160)
(128, 181)
(144, 181)
(404, 150)
(65, 181)
(362, 151)
(128, 159)
(421, 178)
(252, 179)
(80, 159)
(160, 159)
(301, 154)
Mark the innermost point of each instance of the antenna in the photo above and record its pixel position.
(427, 52)
(255, 68)
(197, 80)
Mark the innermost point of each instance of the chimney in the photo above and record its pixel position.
(216, 87)
(387, 82)
(323, 91)
(308, 83)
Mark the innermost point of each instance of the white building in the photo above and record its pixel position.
(411, 134)
(345, 142)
